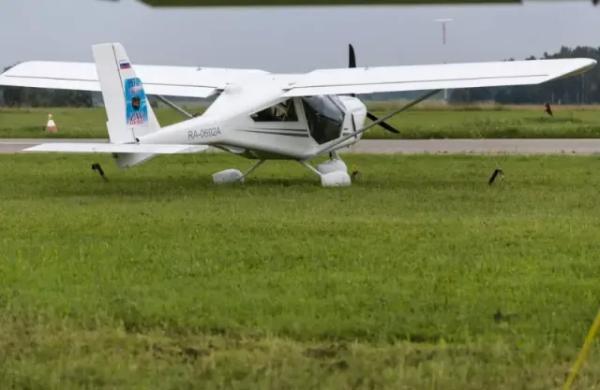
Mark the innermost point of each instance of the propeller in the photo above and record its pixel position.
(371, 116)
(385, 125)
(351, 57)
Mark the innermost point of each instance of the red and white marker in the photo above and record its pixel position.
(51, 126)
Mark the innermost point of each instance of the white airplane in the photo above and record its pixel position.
(258, 115)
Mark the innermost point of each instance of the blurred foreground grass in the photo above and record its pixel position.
(420, 275)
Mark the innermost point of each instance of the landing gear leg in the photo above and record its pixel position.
(234, 175)
(253, 168)
(310, 167)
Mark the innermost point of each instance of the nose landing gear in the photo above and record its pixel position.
(333, 172)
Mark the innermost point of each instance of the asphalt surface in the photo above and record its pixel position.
(16, 145)
(480, 146)
(437, 146)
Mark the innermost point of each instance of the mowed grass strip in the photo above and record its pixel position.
(475, 121)
(491, 122)
(71, 122)
(420, 274)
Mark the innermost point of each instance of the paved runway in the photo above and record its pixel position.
(480, 146)
(443, 146)
(16, 145)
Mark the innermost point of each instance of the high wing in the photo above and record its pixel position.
(204, 82)
(158, 80)
(433, 77)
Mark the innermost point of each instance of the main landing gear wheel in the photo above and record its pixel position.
(229, 176)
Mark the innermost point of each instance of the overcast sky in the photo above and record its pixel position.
(291, 39)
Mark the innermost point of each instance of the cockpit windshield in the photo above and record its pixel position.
(325, 117)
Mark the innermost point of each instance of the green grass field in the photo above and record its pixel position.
(427, 122)
(492, 122)
(420, 275)
(72, 122)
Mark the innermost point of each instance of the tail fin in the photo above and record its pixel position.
(127, 108)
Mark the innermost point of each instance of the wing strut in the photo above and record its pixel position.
(332, 147)
(174, 106)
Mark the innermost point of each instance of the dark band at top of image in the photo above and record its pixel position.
(209, 3)
(189, 3)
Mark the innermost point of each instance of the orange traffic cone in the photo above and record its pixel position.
(51, 126)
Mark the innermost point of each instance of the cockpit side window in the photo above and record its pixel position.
(281, 112)
(325, 118)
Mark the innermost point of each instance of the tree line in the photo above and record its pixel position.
(38, 97)
(582, 89)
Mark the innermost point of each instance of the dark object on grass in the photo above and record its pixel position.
(498, 317)
(497, 172)
(96, 167)
(548, 109)
(355, 174)
(503, 317)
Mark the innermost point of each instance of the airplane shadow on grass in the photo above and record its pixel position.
(180, 179)
(93, 185)
(158, 186)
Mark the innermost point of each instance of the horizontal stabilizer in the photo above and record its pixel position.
(76, 147)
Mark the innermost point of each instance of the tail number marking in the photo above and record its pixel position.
(203, 133)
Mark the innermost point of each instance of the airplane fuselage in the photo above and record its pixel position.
(292, 128)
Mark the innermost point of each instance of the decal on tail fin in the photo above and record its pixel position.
(136, 103)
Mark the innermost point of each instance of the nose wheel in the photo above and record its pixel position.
(333, 172)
